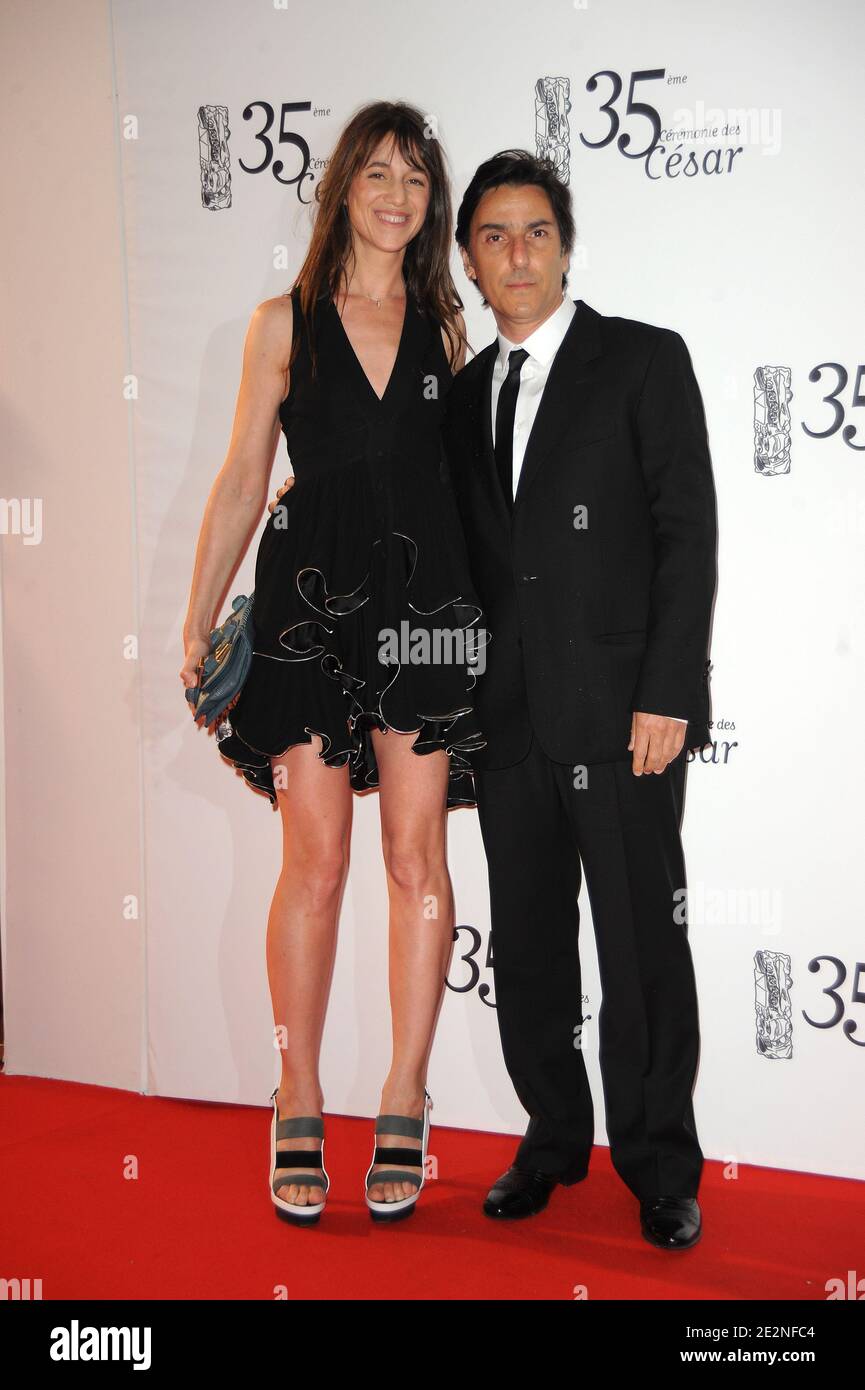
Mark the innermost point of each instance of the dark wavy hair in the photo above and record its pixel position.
(518, 167)
(426, 264)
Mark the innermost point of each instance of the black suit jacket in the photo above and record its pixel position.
(588, 623)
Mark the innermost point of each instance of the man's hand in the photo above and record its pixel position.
(655, 741)
(289, 482)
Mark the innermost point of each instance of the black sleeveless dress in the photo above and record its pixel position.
(364, 612)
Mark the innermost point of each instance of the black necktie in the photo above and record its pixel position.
(505, 411)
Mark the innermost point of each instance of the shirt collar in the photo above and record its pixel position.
(546, 339)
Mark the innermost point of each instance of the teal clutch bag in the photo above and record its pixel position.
(222, 672)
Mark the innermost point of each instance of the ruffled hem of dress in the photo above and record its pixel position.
(306, 640)
(433, 734)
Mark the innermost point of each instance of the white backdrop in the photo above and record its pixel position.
(747, 240)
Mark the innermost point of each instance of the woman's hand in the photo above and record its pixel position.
(289, 482)
(196, 648)
(234, 505)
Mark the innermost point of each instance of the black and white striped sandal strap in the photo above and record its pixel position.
(298, 1158)
(392, 1175)
(384, 1154)
(300, 1127)
(399, 1124)
(299, 1180)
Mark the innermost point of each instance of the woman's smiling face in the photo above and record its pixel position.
(388, 198)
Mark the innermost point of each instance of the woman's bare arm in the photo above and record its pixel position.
(239, 491)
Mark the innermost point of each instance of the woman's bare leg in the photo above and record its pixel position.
(316, 806)
(413, 807)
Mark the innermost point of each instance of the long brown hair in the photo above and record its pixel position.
(426, 263)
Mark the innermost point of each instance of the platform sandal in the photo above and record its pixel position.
(299, 1127)
(416, 1158)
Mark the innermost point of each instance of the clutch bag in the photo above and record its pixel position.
(223, 670)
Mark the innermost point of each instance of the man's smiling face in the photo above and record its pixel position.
(515, 254)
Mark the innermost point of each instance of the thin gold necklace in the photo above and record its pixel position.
(376, 302)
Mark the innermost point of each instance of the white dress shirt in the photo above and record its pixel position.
(542, 344)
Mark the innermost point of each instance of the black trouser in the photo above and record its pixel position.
(536, 827)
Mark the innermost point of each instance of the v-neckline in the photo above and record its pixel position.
(379, 400)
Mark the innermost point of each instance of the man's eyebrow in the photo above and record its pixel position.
(505, 226)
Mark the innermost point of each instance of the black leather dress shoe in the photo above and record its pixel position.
(671, 1223)
(519, 1192)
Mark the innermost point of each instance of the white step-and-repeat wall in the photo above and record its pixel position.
(742, 230)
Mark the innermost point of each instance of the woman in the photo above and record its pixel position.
(354, 365)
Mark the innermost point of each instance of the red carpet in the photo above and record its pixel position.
(197, 1222)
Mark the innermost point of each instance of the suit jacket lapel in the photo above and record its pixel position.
(561, 400)
(485, 443)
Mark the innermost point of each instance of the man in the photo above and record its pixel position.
(577, 449)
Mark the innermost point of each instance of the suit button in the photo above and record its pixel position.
(527, 578)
